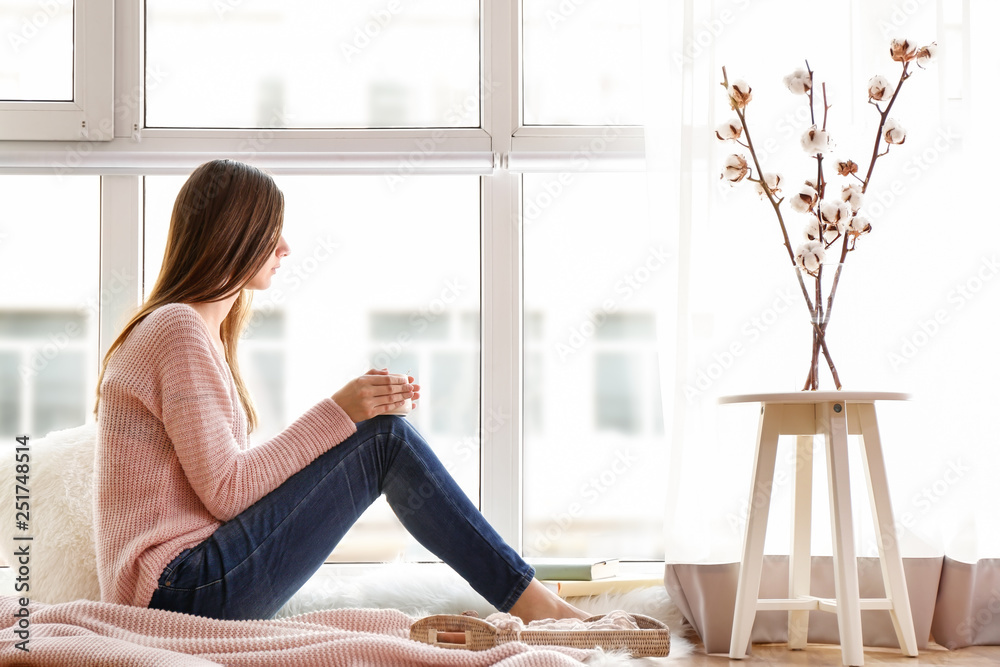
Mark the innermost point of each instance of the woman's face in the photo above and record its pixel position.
(262, 280)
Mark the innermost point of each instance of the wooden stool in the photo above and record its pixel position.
(835, 415)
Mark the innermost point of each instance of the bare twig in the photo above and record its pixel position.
(883, 116)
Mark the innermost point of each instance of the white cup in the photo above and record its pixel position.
(406, 407)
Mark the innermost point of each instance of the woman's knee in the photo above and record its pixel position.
(396, 426)
(387, 434)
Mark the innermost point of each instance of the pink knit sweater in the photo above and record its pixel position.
(173, 461)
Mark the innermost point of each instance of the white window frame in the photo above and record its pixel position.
(90, 115)
(500, 151)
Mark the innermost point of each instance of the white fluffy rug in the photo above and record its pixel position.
(424, 589)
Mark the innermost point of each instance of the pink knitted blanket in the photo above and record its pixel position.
(84, 633)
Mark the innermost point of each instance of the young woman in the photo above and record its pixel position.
(191, 519)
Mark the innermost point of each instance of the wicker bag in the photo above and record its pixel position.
(651, 639)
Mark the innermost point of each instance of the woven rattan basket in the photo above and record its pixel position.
(651, 639)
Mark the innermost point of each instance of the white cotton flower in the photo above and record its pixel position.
(879, 88)
(853, 196)
(927, 54)
(734, 168)
(812, 230)
(773, 184)
(832, 212)
(860, 225)
(893, 132)
(799, 82)
(847, 167)
(833, 230)
(902, 50)
(730, 130)
(739, 94)
(809, 256)
(833, 217)
(815, 141)
(804, 200)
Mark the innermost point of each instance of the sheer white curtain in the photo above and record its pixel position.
(917, 310)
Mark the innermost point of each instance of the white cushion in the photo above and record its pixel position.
(62, 564)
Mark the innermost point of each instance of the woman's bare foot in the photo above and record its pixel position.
(538, 602)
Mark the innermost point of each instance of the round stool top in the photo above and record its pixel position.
(816, 397)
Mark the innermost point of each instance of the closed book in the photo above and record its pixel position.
(571, 589)
(574, 569)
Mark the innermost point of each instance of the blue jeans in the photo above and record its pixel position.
(255, 562)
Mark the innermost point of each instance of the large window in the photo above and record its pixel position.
(50, 302)
(308, 63)
(416, 243)
(593, 434)
(56, 69)
(37, 61)
(581, 63)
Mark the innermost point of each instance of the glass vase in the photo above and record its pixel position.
(822, 293)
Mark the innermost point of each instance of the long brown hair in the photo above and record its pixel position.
(226, 222)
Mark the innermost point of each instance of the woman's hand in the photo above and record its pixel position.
(374, 393)
(409, 379)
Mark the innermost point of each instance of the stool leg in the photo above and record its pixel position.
(800, 559)
(888, 547)
(832, 418)
(748, 586)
